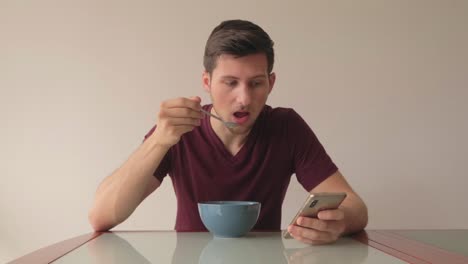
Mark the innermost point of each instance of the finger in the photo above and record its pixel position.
(310, 241)
(196, 99)
(180, 121)
(180, 130)
(182, 102)
(321, 225)
(336, 214)
(181, 112)
(307, 233)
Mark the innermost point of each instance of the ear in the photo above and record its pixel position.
(206, 80)
(272, 79)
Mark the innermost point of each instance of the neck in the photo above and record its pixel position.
(231, 139)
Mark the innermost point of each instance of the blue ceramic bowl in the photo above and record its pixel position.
(229, 218)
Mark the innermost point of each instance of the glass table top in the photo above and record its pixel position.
(202, 247)
(451, 240)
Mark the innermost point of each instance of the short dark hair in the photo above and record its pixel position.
(239, 38)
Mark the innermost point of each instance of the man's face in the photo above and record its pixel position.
(239, 88)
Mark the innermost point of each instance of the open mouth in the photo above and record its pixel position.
(241, 117)
(241, 114)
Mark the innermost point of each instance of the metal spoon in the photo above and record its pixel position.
(227, 124)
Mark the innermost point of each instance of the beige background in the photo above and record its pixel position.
(382, 83)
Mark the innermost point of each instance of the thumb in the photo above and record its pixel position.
(195, 98)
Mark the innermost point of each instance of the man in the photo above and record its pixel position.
(254, 160)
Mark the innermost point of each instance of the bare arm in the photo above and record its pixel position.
(354, 208)
(120, 193)
(329, 225)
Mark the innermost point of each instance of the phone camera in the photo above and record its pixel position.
(313, 203)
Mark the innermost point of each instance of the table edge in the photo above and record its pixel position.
(365, 238)
(55, 251)
(409, 250)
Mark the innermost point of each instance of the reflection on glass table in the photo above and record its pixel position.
(344, 250)
(202, 247)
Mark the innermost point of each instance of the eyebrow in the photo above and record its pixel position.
(236, 78)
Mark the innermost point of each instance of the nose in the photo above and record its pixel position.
(244, 95)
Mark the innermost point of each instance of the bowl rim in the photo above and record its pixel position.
(229, 203)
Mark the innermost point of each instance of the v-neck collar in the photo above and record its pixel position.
(221, 148)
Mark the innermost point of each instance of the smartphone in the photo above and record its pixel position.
(315, 203)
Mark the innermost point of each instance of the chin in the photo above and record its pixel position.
(243, 128)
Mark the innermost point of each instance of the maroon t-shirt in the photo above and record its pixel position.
(279, 145)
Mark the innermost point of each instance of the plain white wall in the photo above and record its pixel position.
(382, 83)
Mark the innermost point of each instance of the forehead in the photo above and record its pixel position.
(241, 67)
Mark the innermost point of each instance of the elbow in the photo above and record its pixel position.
(365, 217)
(357, 218)
(98, 223)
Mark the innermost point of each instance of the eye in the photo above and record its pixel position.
(232, 83)
(256, 83)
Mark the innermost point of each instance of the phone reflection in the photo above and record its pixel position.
(111, 248)
(345, 250)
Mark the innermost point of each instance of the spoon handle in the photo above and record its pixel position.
(227, 124)
(210, 114)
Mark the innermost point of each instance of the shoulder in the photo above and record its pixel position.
(278, 113)
(283, 115)
(283, 123)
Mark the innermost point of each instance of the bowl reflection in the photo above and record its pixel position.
(230, 250)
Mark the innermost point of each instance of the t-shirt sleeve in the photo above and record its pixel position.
(165, 165)
(311, 162)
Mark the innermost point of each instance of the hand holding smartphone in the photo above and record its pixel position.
(315, 203)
